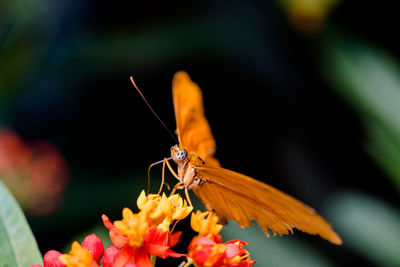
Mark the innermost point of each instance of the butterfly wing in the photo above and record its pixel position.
(233, 195)
(243, 199)
(193, 130)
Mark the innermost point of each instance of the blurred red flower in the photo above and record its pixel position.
(36, 174)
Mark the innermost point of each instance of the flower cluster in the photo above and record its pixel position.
(137, 236)
(207, 249)
(146, 233)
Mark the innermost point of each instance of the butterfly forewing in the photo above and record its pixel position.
(193, 130)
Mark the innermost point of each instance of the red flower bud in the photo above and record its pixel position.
(95, 246)
(233, 250)
(110, 255)
(51, 259)
(130, 264)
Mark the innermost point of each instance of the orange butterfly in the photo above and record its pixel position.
(229, 194)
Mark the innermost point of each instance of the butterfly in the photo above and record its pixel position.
(231, 195)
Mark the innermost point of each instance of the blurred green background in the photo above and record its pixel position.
(301, 94)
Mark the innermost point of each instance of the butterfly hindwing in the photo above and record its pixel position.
(243, 199)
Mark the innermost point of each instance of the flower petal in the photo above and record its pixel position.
(116, 237)
(107, 223)
(174, 239)
(200, 256)
(124, 256)
(142, 259)
(242, 264)
(156, 236)
(237, 241)
(173, 254)
(110, 256)
(232, 250)
(156, 250)
(141, 200)
(204, 241)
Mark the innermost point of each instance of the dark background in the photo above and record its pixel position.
(274, 113)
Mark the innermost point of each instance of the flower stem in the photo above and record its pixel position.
(153, 260)
(186, 264)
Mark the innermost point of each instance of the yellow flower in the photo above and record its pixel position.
(203, 225)
(77, 257)
(159, 207)
(164, 226)
(181, 209)
(134, 226)
(148, 203)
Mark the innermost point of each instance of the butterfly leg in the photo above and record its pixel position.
(187, 196)
(172, 170)
(162, 177)
(180, 186)
(177, 186)
(148, 173)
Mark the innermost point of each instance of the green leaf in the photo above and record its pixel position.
(368, 78)
(368, 226)
(17, 245)
(385, 150)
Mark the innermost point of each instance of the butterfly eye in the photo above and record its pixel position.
(180, 154)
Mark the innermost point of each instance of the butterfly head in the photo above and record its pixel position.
(178, 153)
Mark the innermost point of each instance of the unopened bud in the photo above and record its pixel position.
(110, 255)
(51, 259)
(95, 246)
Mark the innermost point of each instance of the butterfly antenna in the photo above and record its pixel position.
(154, 113)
